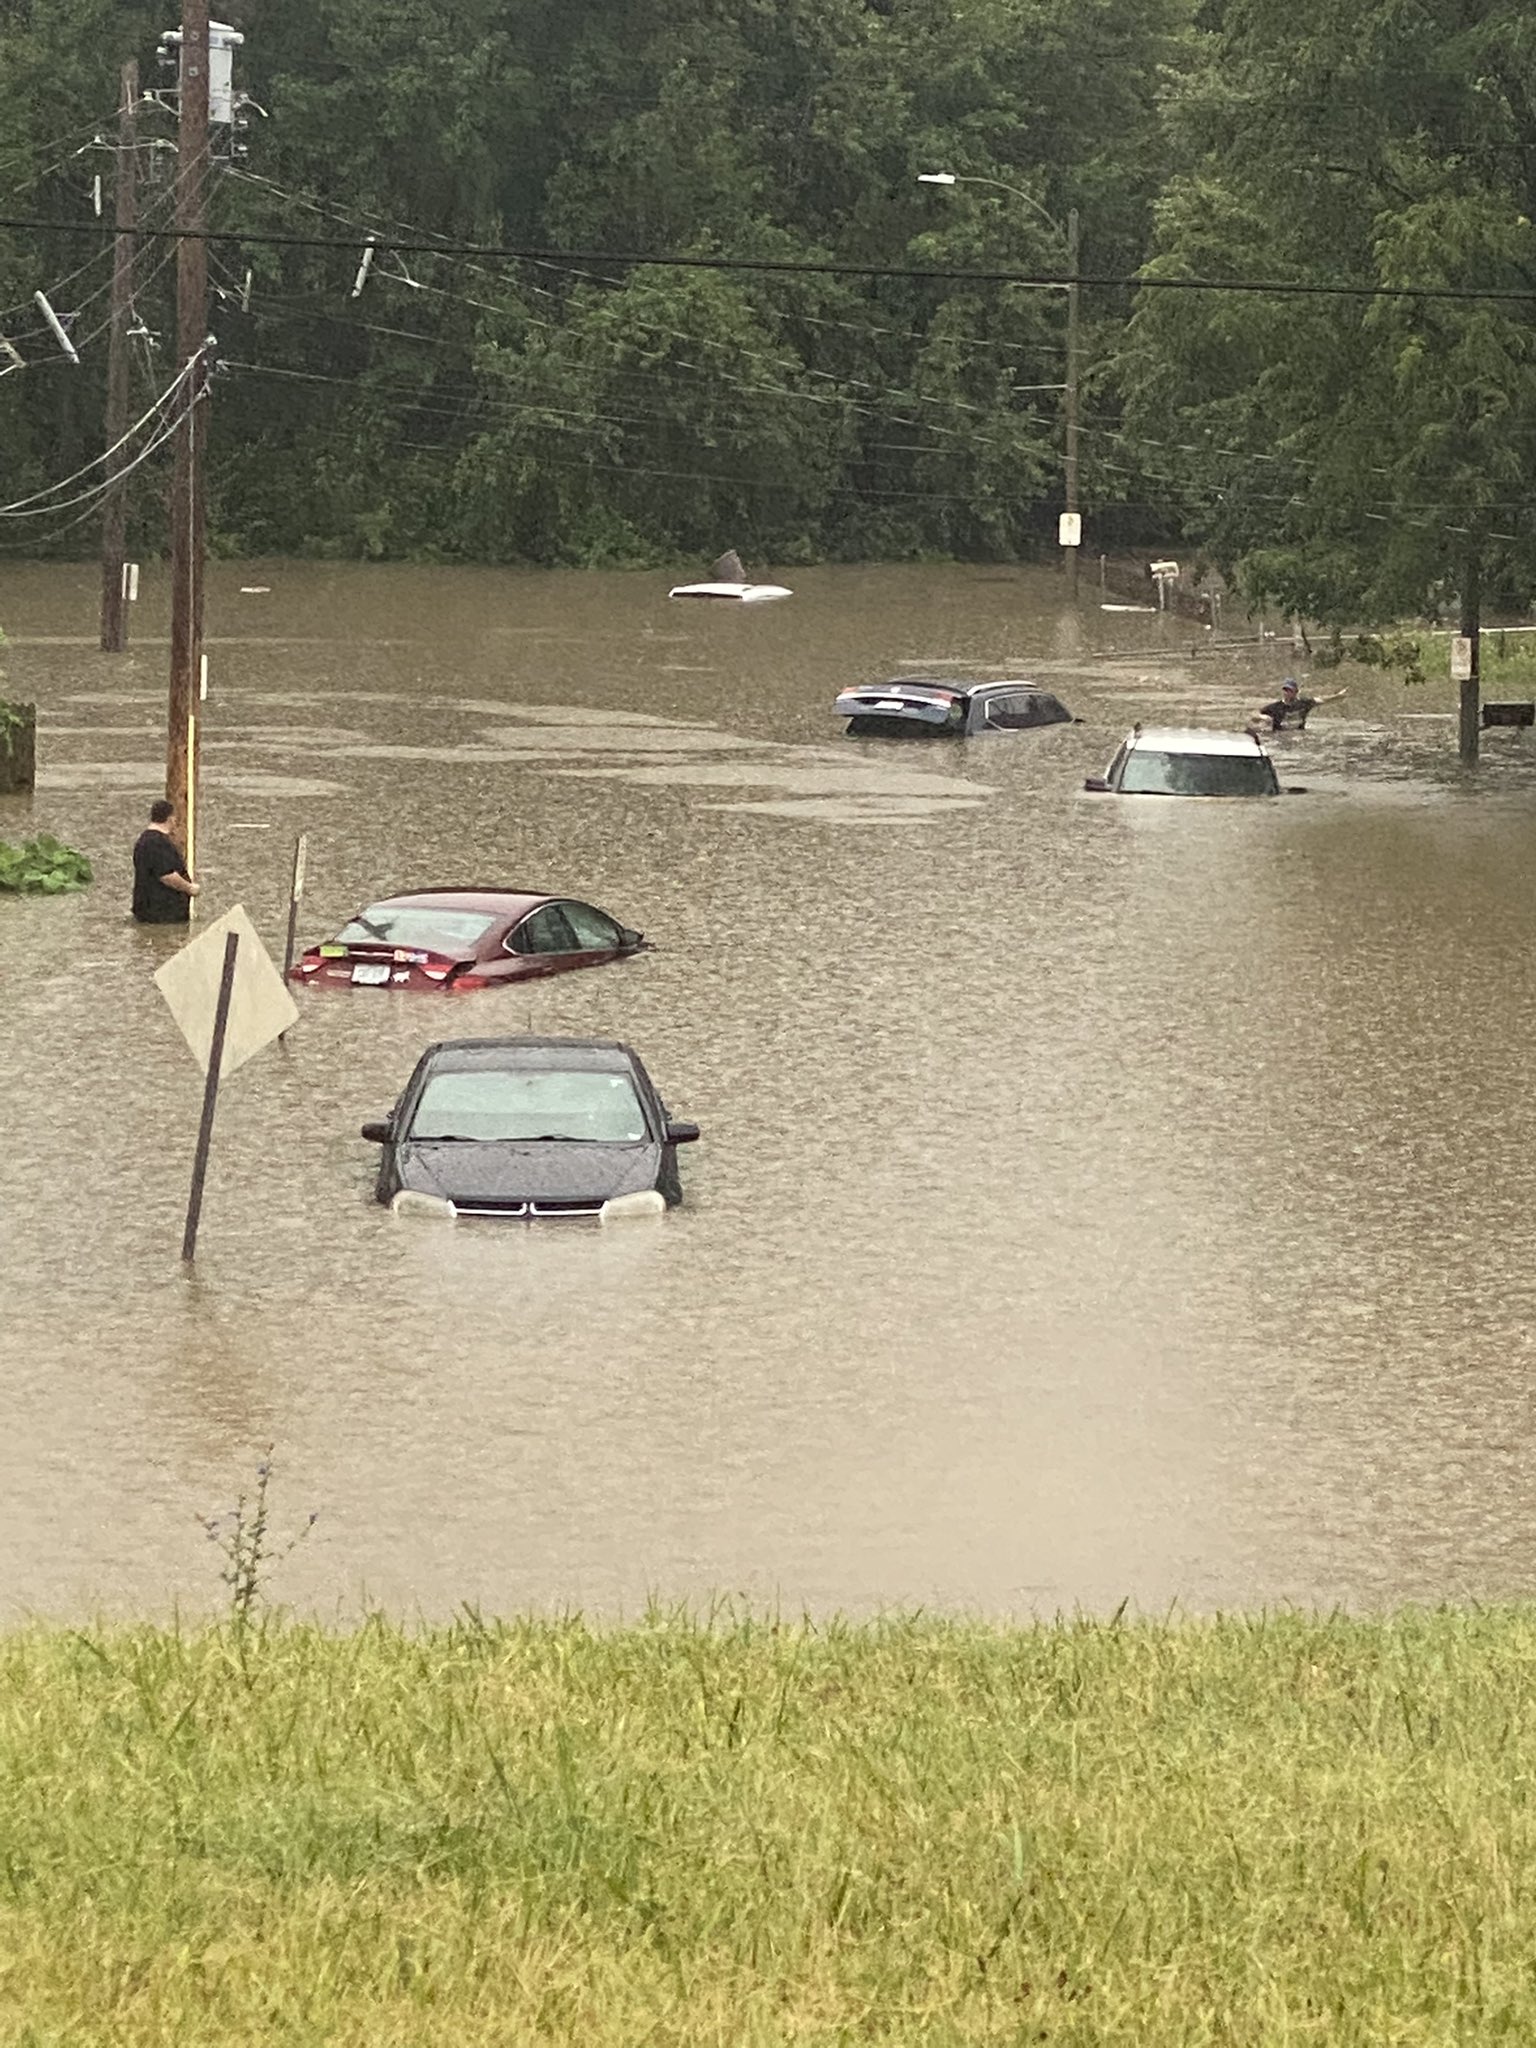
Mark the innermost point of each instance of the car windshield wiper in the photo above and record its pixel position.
(525, 1138)
(570, 1138)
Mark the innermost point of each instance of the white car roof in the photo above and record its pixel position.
(1183, 739)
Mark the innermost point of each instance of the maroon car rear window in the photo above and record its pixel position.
(424, 931)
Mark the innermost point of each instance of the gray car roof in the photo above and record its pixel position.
(570, 1055)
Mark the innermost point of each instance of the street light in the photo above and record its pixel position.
(1071, 525)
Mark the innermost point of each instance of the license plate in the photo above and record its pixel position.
(371, 973)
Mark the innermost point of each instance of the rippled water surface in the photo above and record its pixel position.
(1096, 1199)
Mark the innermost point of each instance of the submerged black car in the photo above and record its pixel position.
(530, 1127)
(928, 707)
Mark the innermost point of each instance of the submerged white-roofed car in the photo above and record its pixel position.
(1184, 761)
(729, 582)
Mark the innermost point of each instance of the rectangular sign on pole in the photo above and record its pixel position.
(1461, 658)
(1069, 530)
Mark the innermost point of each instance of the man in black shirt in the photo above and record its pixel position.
(162, 890)
(1291, 708)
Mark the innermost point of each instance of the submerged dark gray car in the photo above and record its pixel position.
(929, 707)
(530, 1127)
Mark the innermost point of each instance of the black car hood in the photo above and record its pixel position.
(555, 1170)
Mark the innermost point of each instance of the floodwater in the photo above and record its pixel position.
(1097, 1200)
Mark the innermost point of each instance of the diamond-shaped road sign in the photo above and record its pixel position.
(260, 1007)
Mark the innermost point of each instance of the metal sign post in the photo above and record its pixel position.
(210, 1098)
(295, 892)
(1164, 573)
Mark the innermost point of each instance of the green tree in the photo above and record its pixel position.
(1351, 459)
(581, 411)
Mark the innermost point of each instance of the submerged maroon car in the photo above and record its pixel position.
(461, 939)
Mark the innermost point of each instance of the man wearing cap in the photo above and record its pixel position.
(1290, 708)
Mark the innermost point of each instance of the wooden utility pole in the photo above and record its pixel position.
(187, 527)
(114, 599)
(1073, 290)
(1471, 710)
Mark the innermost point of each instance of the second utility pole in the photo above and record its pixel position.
(1070, 464)
(187, 523)
(114, 599)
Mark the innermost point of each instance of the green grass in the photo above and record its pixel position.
(1287, 1830)
(1507, 662)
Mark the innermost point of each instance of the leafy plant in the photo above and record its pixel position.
(1374, 650)
(14, 719)
(42, 867)
(243, 1534)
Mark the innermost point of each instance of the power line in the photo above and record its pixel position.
(905, 273)
(166, 431)
(364, 220)
(16, 509)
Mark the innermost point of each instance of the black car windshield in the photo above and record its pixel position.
(411, 925)
(1149, 773)
(496, 1104)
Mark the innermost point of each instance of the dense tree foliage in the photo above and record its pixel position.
(1353, 458)
(599, 411)
(1344, 457)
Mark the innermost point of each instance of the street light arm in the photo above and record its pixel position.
(1000, 184)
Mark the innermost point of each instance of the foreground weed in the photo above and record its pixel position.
(243, 1534)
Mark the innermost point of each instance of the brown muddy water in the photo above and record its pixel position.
(1097, 1200)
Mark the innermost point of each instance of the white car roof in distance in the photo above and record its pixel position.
(1185, 739)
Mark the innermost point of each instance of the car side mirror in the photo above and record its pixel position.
(681, 1133)
(1096, 782)
(378, 1133)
